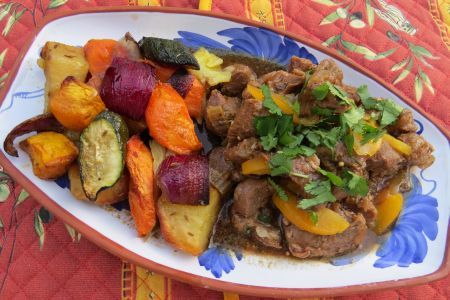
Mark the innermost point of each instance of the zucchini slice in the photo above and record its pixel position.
(167, 52)
(102, 150)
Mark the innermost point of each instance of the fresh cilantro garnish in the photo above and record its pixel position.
(355, 185)
(351, 117)
(314, 217)
(290, 140)
(368, 132)
(279, 190)
(321, 91)
(296, 107)
(363, 93)
(300, 150)
(280, 164)
(320, 111)
(328, 138)
(268, 101)
(269, 142)
(349, 141)
(265, 125)
(391, 111)
(336, 180)
(321, 190)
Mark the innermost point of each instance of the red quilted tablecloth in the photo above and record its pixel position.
(41, 258)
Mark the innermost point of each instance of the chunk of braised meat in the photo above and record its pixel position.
(220, 171)
(240, 76)
(364, 205)
(300, 65)
(251, 197)
(304, 170)
(242, 127)
(386, 162)
(340, 158)
(327, 70)
(245, 150)
(404, 124)
(283, 82)
(352, 93)
(421, 155)
(303, 244)
(220, 112)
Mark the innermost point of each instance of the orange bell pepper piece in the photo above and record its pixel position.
(99, 54)
(169, 122)
(194, 99)
(139, 161)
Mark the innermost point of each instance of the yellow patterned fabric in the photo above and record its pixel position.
(440, 10)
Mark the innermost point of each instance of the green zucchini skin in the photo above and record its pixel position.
(167, 52)
(102, 153)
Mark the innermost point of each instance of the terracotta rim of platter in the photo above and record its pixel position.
(114, 248)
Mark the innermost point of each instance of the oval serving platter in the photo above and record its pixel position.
(414, 252)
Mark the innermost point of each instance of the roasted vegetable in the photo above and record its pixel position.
(169, 122)
(210, 68)
(328, 221)
(127, 47)
(102, 148)
(40, 123)
(188, 227)
(167, 52)
(181, 82)
(75, 104)
(99, 54)
(127, 87)
(139, 162)
(51, 154)
(192, 90)
(59, 62)
(184, 179)
(118, 192)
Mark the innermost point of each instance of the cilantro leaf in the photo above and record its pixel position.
(355, 185)
(327, 138)
(349, 141)
(351, 117)
(336, 180)
(321, 91)
(314, 217)
(391, 111)
(296, 107)
(290, 140)
(363, 92)
(300, 150)
(314, 137)
(280, 165)
(265, 125)
(268, 101)
(368, 132)
(269, 142)
(279, 190)
(321, 190)
(341, 94)
(320, 111)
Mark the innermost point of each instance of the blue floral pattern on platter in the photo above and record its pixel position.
(23, 95)
(254, 41)
(218, 260)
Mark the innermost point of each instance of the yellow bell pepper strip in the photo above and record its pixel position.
(256, 166)
(389, 206)
(328, 221)
(369, 148)
(279, 100)
(397, 144)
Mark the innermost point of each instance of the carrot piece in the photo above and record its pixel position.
(162, 72)
(169, 122)
(99, 54)
(194, 99)
(139, 162)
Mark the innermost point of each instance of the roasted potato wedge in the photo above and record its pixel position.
(60, 61)
(188, 227)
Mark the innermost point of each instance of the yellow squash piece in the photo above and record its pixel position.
(369, 148)
(188, 227)
(397, 144)
(210, 68)
(279, 100)
(256, 166)
(51, 154)
(328, 221)
(60, 61)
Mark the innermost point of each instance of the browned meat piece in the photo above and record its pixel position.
(220, 171)
(250, 196)
(283, 82)
(385, 162)
(303, 244)
(302, 165)
(240, 76)
(245, 150)
(298, 65)
(331, 162)
(421, 155)
(352, 93)
(266, 234)
(220, 112)
(404, 124)
(242, 126)
(365, 206)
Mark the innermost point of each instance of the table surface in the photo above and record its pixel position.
(42, 258)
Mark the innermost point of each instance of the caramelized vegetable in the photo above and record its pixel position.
(188, 227)
(99, 54)
(59, 62)
(256, 166)
(40, 123)
(328, 221)
(195, 98)
(118, 192)
(51, 154)
(397, 144)
(75, 104)
(210, 68)
(169, 122)
(139, 162)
